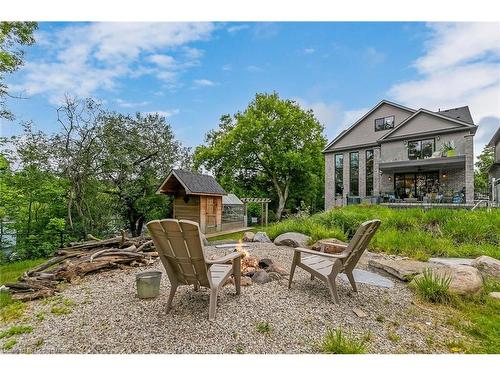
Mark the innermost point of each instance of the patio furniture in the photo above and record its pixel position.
(180, 248)
(326, 267)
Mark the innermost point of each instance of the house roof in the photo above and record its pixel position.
(231, 199)
(495, 138)
(460, 113)
(193, 183)
(458, 122)
(344, 132)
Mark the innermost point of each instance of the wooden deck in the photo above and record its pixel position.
(229, 231)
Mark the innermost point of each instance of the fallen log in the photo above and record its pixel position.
(75, 261)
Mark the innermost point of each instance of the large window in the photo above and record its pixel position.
(420, 149)
(354, 173)
(339, 174)
(384, 123)
(369, 172)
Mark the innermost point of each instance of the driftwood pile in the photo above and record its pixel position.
(71, 263)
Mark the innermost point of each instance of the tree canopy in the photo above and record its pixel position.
(273, 142)
(96, 175)
(13, 36)
(483, 164)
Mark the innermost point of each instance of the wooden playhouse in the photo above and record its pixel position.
(199, 197)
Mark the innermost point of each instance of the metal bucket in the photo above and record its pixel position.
(148, 284)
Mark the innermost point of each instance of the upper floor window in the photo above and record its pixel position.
(384, 123)
(422, 149)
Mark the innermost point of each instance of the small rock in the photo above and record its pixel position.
(360, 313)
(261, 277)
(274, 276)
(292, 239)
(249, 271)
(275, 267)
(265, 263)
(246, 281)
(495, 295)
(261, 237)
(248, 236)
(488, 266)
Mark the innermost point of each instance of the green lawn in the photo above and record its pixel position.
(9, 272)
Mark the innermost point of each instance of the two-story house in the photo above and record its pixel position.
(402, 153)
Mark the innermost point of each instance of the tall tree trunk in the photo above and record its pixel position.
(70, 204)
(282, 196)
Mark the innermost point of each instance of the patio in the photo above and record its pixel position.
(105, 316)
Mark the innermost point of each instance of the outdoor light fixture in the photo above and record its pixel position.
(186, 199)
(445, 174)
(390, 178)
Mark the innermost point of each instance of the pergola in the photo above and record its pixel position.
(264, 206)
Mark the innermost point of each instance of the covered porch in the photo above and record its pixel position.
(433, 181)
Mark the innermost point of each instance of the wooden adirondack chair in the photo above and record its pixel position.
(180, 248)
(326, 267)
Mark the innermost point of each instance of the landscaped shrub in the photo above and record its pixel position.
(337, 342)
(432, 287)
(307, 226)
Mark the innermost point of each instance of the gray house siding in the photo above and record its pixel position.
(364, 132)
(423, 122)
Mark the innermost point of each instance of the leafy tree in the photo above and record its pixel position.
(136, 153)
(484, 162)
(13, 35)
(272, 140)
(76, 150)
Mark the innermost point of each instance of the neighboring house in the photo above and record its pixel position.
(494, 171)
(397, 153)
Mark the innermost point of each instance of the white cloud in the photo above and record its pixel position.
(227, 67)
(254, 69)
(332, 115)
(203, 82)
(164, 61)
(308, 51)
(460, 66)
(166, 113)
(83, 58)
(373, 57)
(126, 104)
(236, 28)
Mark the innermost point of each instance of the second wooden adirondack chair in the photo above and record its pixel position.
(326, 267)
(180, 248)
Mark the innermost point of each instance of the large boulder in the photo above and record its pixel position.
(248, 236)
(495, 295)
(488, 266)
(261, 277)
(292, 239)
(329, 245)
(261, 237)
(464, 279)
(403, 269)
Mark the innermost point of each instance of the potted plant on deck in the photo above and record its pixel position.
(448, 149)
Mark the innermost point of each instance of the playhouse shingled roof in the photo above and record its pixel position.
(193, 183)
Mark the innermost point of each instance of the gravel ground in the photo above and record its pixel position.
(103, 315)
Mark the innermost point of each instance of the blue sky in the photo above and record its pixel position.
(195, 72)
